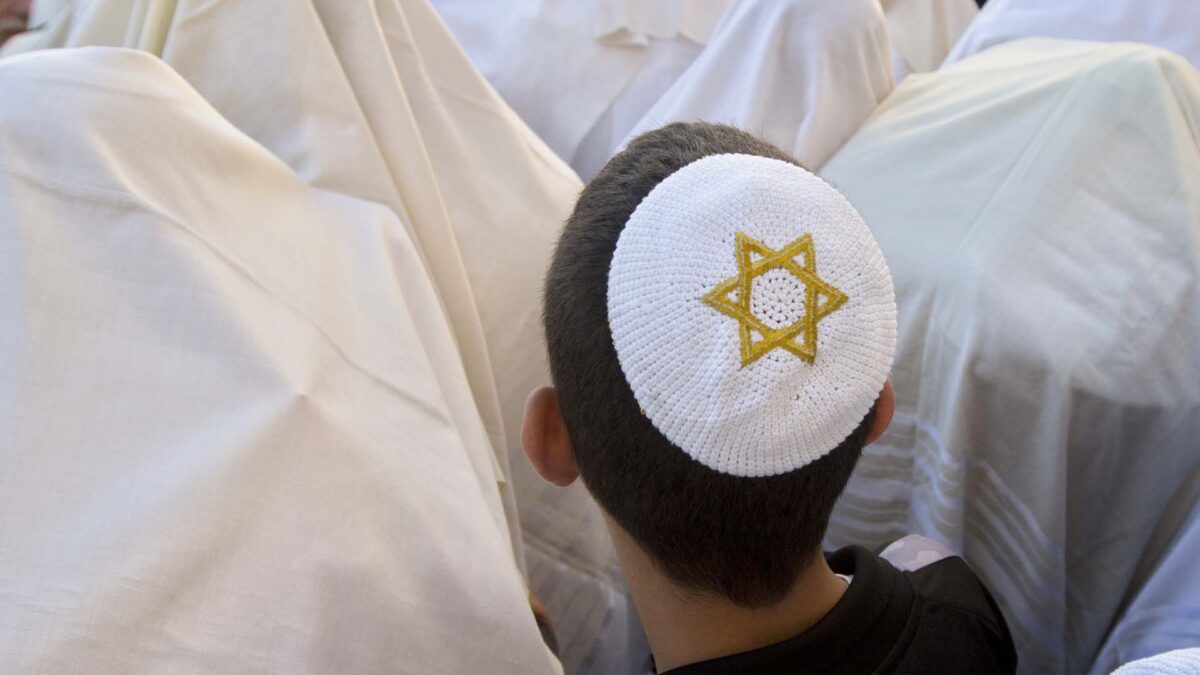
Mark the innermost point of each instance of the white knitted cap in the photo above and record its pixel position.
(764, 382)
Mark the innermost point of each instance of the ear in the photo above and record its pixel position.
(884, 409)
(544, 437)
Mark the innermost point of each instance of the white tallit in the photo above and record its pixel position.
(377, 101)
(588, 75)
(804, 74)
(387, 109)
(581, 74)
(235, 428)
(1038, 205)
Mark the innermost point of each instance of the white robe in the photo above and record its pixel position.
(585, 76)
(581, 74)
(1170, 24)
(376, 101)
(236, 433)
(1039, 204)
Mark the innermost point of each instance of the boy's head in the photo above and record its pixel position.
(631, 373)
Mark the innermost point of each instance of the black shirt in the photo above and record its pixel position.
(938, 619)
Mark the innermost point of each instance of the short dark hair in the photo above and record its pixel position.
(746, 539)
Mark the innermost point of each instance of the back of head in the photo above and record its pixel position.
(743, 537)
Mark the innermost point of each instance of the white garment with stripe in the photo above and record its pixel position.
(1038, 205)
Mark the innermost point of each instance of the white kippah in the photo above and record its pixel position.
(752, 313)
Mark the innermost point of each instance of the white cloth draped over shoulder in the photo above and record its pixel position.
(1170, 24)
(236, 433)
(1047, 372)
(377, 101)
(587, 75)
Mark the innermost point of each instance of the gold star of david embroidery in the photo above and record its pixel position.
(739, 309)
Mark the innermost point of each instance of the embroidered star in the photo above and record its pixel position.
(739, 309)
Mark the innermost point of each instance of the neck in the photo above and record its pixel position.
(685, 627)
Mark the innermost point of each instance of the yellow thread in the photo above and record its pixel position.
(739, 310)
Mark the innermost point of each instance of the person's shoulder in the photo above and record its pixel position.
(957, 623)
(949, 581)
(939, 575)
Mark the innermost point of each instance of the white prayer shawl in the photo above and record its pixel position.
(1170, 24)
(586, 76)
(923, 32)
(804, 74)
(376, 100)
(581, 74)
(1038, 205)
(235, 430)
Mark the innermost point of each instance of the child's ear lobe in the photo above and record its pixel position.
(544, 437)
(884, 409)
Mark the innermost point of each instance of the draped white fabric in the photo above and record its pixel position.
(1039, 205)
(585, 76)
(581, 74)
(1170, 24)
(376, 101)
(388, 109)
(923, 32)
(236, 433)
(804, 74)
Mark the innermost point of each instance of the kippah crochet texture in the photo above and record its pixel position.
(752, 312)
